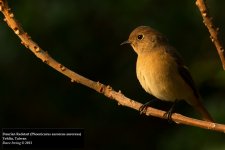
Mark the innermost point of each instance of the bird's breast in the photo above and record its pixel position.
(158, 75)
(151, 72)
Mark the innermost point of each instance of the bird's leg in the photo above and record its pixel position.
(144, 107)
(168, 114)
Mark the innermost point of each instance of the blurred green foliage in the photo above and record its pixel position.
(85, 36)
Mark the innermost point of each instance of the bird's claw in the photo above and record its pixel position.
(144, 107)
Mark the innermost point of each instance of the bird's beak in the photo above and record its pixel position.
(125, 42)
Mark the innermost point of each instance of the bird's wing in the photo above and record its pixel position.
(183, 71)
(185, 74)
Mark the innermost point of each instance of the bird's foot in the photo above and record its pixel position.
(144, 107)
(169, 113)
(168, 116)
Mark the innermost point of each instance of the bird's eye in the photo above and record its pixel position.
(140, 37)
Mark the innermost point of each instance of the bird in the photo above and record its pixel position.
(161, 71)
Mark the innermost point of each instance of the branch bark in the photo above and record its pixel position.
(97, 86)
(213, 30)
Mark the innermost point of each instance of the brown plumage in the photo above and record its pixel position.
(161, 71)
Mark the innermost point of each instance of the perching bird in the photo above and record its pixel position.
(160, 69)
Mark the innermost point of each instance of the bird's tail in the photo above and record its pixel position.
(203, 112)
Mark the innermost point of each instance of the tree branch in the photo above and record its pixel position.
(97, 86)
(213, 30)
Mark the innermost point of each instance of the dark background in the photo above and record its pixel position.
(85, 36)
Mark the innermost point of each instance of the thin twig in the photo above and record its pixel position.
(213, 30)
(97, 86)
